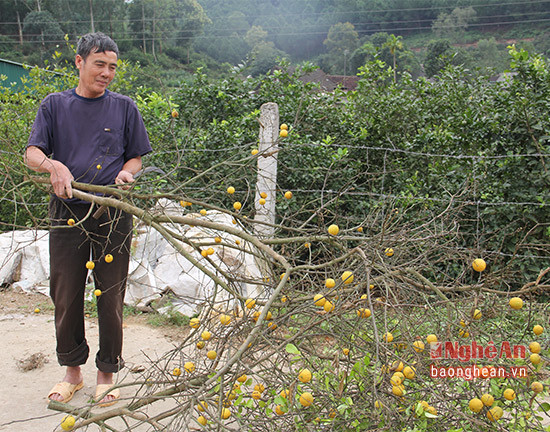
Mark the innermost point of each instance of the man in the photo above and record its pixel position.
(89, 135)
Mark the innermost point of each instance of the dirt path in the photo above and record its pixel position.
(25, 333)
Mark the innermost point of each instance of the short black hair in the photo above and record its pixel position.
(95, 42)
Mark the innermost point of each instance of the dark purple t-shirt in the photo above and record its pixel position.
(92, 137)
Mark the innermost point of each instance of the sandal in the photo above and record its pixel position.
(104, 390)
(66, 390)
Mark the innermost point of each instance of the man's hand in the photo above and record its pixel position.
(124, 178)
(61, 178)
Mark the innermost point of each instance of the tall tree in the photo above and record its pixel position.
(159, 22)
(394, 44)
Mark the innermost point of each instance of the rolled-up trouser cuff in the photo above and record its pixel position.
(109, 367)
(76, 357)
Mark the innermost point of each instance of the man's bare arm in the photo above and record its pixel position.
(60, 176)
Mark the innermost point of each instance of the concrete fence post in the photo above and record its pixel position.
(267, 169)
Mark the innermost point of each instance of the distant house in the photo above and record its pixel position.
(329, 83)
(14, 72)
(346, 82)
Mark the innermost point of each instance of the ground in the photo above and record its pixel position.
(30, 365)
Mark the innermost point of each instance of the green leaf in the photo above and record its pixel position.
(291, 349)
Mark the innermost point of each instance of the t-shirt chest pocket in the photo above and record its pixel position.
(111, 141)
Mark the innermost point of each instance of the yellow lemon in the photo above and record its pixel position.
(203, 212)
(495, 413)
(97, 292)
(516, 303)
(418, 346)
(176, 371)
(288, 195)
(409, 372)
(475, 405)
(250, 303)
(225, 413)
(212, 355)
(538, 329)
(535, 358)
(230, 190)
(67, 423)
(306, 399)
(90, 265)
(509, 394)
(304, 375)
(330, 283)
(477, 314)
(431, 410)
(202, 420)
(284, 126)
(479, 265)
(388, 337)
(254, 152)
(237, 205)
(37, 310)
(225, 319)
(189, 367)
(283, 133)
(256, 395)
(534, 347)
(345, 351)
(175, 114)
(70, 222)
(537, 387)
(389, 252)
(397, 379)
(279, 410)
(333, 229)
(431, 338)
(242, 378)
(259, 387)
(262, 201)
(487, 399)
(108, 258)
(398, 366)
(398, 390)
(194, 323)
(347, 277)
(200, 344)
(319, 300)
(363, 313)
(328, 306)
(98, 166)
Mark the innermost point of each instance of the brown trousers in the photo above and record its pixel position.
(70, 248)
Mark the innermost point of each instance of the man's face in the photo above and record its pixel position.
(96, 73)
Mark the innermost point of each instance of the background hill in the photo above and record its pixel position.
(175, 37)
